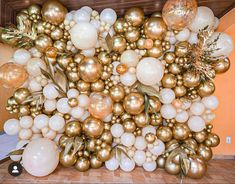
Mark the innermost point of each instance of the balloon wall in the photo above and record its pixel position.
(94, 89)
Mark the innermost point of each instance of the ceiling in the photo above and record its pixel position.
(9, 8)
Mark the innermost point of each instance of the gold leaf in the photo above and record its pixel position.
(16, 152)
(61, 80)
(109, 42)
(146, 106)
(149, 90)
(77, 145)
(185, 165)
(68, 146)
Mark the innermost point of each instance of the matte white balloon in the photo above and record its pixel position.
(127, 164)
(25, 134)
(183, 35)
(193, 38)
(203, 18)
(34, 66)
(72, 93)
(11, 126)
(63, 106)
(167, 95)
(50, 105)
(149, 71)
(83, 100)
(26, 122)
(129, 58)
(87, 9)
(128, 79)
(182, 116)
(139, 157)
(51, 134)
(21, 56)
(108, 15)
(34, 85)
(196, 124)
(117, 130)
(150, 166)
(77, 112)
(112, 164)
(197, 108)
(41, 121)
(210, 102)
(50, 92)
(81, 16)
(56, 122)
(88, 52)
(40, 157)
(157, 149)
(140, 143)
(128, 139)
(87, 37)
(148, 129)
(168, 111)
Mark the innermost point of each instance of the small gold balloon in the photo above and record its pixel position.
(155, 52)
(121, 69)
(161, 161)
(73, 102)
(141, 120)
(164, 133)
(197, 167)
(104, 154)
(172, 168)
(215, 140)
(155, 28)
(95, 162)
(117, 93)
(93, 127)
(180, 91)
(73, 128)
(155, 104)
(63, 141)
(91, 145)
(191, 143)
(83, 86)
(119, 43)
(57, 34)
(134, 103)
(150, 138)
(34, 9)
(191, 79)
(72, 76)
(21, 95)
(141, 43)
(51, 52)
(172, 144)
(67, 160)
(169, 80)
(105, 58)
(90, 69)
(43, 42)
(206, 89)
(53, 12)
(82, 164)
(169, 57)
(132, 35)
(156, 119)
(24, 110)
(12, 75)
(134, 16)
(182, 48)
(119, 25)
(118, 109)
(78, 58)
(129, 125)
(60, 45)
(222, 65)
(97, 86)
(175, 68)
(200, 136)
(205, 152)
(181, 131)
(64, 61)
(107, 137)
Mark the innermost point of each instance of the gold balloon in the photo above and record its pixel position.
(34, 9)
(21, 95)
(97, 86)
(222, 65)
(27, 23)
(82, 164)
(104, 154)
(200, 136)
(180, 91)
(172, 144)
(12, 75)
(141, 43)
(182, 48)
(205, 152)
(64, 61)
(91, 145)
(24, 110)
(57, 34)
(107, 137)
(101, 105)
(172, 168)
(83, 86)
(118, 109)
(90, 69)
(63, 141)
(105, 58)
(155, 52)
(215, 140)
(117, 93)
(60, 45)
(181, 131)
(119, 43)
(95, 162)
(155, 104)
(175, 68)
(169, 57)
(191, 143)
(156, 14)
(179, 13)
(93, 127)
(150, 138)
(134, 103)
(155, 28)
(134, 16)
(164, 133)
(67, 160)
(169, 80)
(161, 161)
(191, 79)
(156, 119)
(129, 125)
(197, 167)
(132, 35)
(73, 128)
(43, 42)
(53, 12)
(72, 76)
(141, 120)
(206, 89)
(119, 25)
(121, 69)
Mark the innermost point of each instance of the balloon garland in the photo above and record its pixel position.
(130, 91)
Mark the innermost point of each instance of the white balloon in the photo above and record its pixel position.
(50, 92)
(87, 9)
(87, 37)
(140, 143)
(11, 126)
(139, 157)
(196, 124)
(197, 108)
(25, 134)
(127, 164)
(88, 52)
(115, 64)
(81, 16)
(35, 130)
(117, 130)
(69, 16)
(77, 112)
(224, 44)
(21, 56)
(83, 100)
(203, 18)
(108, 15)
(210, 102)
(148, 129)
(41, 121)
(40, 157)
(182, 116)
(34, 85)
(50, 105)
(129, 58)
(72, 93)
(84, 116)
(167, 95)
(63, 106)
(193, 38)
(96, 24)
(128, 139)
(36, 136)
(128, 79)
(51, 134)
(157, 149)
(26, 122)
(168, 111)
(149, 71)
(112, 164)
(56, 122)
(34, 66)
(183, 35)
(150, 166)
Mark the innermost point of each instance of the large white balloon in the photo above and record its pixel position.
(168, 111)
(81, 16)
(112, 164)
(223, 46)
(127, 164)
(210, 102)
(139, 157)
(84, 35)
(196, 123)
(128, 139)
(40, 157)
(149, 71)
(150, 166)
(11, 126)
(108, 15)
(204, 17)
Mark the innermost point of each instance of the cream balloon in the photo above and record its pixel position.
(210, 102)
(168, 111)
(40, 157)
(150, 166)
(50, 105)
(56, 122)
(196, 123)
(25, 134)
(77, 112)
(128, 139)
(140, 143)
(167, 95)
(128, 79)
(21, 56)
(87, 37)
(117, 130)
(34, 66)
(183, 35)
(139, 157)
(83, 100)
(182, 116)
(158, 148)
(81, 16)
(149, 71)
(63, 106)
(11, 127)
(26, 122)
(112, 164)
(50, 92)
(197, 108)
(72, 93)
(129, 58)
(148, 129)
(127, 164)
(41, 121)
(108, 15)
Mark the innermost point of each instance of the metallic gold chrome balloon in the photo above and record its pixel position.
(83, 86)
(155, 104)
(206, 89)
(57, 33)
(141, 120)
(175, 68)
(164, 133)
(155, 52)
(117, 93)
(182, 48)
(73, 128)
(134, 103)
(222, 65)
(169, 57)
(63, 141)
(172, 168)
(132, 35)
(215, 140)
(104, 154)
(134, 16)
(169, 80)
(105, 58)
(67, 160)
(43, 42)
(205, 152)
(119, 43)
(150, 138)
(181, 131)
(93, 127)
(118, 109)
(34, 9)
(53, 12)
(21, 95)
(180, 91)
(197, 167)
(97, 86)
(24, 110)
(64, 61)
(60, 45)
(200, 136)
(95, 162)
(91, 145)
(107, 137)
(121, 69)
(90, 69)
(119, 25)
(161, 161)
(82, 164)
(191, 79)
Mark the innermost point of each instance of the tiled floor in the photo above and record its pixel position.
(219, 172)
